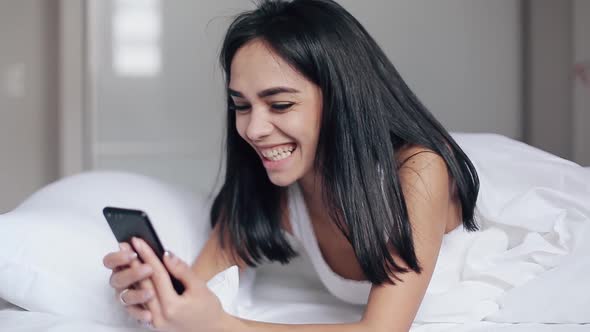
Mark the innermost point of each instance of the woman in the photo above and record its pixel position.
(316, 111)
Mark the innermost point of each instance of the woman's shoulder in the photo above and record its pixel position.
(423, 173)
(418, 163)
(414, 155)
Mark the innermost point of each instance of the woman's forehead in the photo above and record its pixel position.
(256, 67)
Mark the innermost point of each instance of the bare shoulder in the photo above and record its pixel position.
(420, 164)
(426, 182)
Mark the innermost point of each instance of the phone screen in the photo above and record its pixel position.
(128, 223)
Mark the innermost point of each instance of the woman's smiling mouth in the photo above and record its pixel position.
(278, 152)
(277, 157)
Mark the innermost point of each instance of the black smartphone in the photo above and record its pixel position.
(127, 223)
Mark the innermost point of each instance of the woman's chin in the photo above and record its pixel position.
(281, 180)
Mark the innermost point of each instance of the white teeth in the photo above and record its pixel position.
(281, 156)
(278, 152)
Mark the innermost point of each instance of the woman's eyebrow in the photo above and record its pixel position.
(265, 93)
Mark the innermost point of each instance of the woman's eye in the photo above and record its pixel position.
(282, 106)
(239, 108)
(277, 107)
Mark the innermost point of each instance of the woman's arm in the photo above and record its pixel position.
(213, 259)
(427, 188)
(427, 191)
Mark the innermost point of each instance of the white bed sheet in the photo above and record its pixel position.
(282, 294)
(25, 321)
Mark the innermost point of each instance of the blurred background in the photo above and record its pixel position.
(135, 85)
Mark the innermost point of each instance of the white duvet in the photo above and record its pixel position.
(527, 270)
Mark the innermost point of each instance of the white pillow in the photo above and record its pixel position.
(52, 245)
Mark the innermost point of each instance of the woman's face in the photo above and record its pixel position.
(278, 112)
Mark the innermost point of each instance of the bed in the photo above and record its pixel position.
(528, 272)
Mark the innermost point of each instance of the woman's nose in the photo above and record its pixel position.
(259, 125)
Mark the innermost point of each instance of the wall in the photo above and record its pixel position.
(581, 102)
(28, 98)
(462, 58)
(557, 104)
(548, 110)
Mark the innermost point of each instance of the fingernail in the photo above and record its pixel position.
(170, 256)
(133, 255)
(136, 243)
(143, 323)
(122, 247)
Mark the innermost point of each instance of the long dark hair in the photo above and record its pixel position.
(368, 114)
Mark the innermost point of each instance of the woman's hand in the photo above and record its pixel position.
(132, 277)
(196, 309)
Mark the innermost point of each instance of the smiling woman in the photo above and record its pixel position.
(326, 142)
(277, 112)
(314, 103)
(307, 75)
